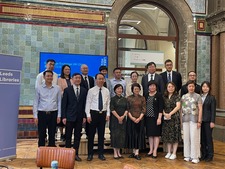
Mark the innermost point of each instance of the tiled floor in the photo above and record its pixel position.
(26, 154)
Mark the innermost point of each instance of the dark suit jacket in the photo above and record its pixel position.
(209, 109)
(176, 79)
(91, 82)
(73, 108)
(184, 89)
(159, 81)
(158, 103)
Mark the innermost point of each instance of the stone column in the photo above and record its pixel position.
(221, 69)
(215, 63)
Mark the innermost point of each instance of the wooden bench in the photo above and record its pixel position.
(64, 156)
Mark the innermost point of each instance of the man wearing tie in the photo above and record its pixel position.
(73, 112)
(151, 75)
(171, 76)
(97, 112)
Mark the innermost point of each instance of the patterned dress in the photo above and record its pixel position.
(171, 129)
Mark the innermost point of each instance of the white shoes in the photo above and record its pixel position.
(187, 159)
(173, 157)
(195, 160)
(168, 155)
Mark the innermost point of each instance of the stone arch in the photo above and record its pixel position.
(183, 17)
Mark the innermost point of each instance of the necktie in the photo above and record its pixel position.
(100, 103)
(77, 92)
(86, 82)
(151, 77)
(169, 77)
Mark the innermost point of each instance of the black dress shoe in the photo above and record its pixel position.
(154, 156)
(208, 159)
(120, 156)
(116, 158)
(203, 158)
(101, 157)
(131, 156)
(77, 158)
(90, 158)
(137, 157)
(148, 155)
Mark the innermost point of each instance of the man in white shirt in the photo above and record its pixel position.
(97, 112)
(50, 65)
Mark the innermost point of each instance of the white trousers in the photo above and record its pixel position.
(191, 140)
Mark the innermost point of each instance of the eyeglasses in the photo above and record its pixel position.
(191, 75)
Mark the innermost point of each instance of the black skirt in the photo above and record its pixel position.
(152, 129)
(135, 137)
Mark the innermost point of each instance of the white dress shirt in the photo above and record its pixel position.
(92, 100)
(149, 77)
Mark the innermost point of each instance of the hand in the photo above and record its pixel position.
(198, 125)
(137, 120)
(120, 119)
(84, 120)
(36, 121)
(158, 121)
(64, 121)
(89, 119)
(168, 116)
(107, 118)
(212, 125)
(58, 120)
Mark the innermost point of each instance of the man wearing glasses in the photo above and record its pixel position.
(192, 77)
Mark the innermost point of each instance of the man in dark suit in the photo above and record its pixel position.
(171, 76)
(192, 77)
(87, 82)
(73, 112)
(151, 75)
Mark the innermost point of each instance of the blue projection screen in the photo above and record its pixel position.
(75, 61)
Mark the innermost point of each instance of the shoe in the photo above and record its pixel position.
(168, 155)
(173, 157)
(148, 155)
(154, 156)
(187, 159)
(137, 157)
(131, 156)
(204, 157)
(195, 161)
(208, 159)
(120, 156)
(77, 158)
(116, 158)
(90, 158)
(101, 157)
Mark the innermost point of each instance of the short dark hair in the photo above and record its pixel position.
(46, 71)
(62, 75)
(191, 72)
(99, 74)
(208, 84)
(168, 60)
(117, 86)
(102, 68)
(150, 63)
(50, 60)
(152, 82)
(117, 68)
(133, 73)
(135, 85)
(190, 82)
(75, 74)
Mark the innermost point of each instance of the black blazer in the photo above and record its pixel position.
(184, 89)
(158, 103)
(91, 82)
(159, 81)
(176, 79)
(209, 109)
(71, 107)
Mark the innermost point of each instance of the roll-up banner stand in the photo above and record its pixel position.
(10, 80)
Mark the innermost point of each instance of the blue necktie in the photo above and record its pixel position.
(100, 103)
(169, 78)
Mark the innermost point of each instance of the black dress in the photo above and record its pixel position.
(154, 106)
(117, 130)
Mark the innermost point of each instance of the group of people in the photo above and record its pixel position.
(158, 107)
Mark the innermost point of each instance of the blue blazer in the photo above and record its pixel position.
(73, 108)
(176, 79)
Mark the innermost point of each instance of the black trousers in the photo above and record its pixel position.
(207, 149)
(98, 122)
(77, 127)
(47, 121)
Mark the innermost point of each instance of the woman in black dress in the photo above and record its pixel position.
(118, 108)
(153, 117)
(208, 122)
(135, 122)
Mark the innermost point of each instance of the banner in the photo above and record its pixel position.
(10, 80)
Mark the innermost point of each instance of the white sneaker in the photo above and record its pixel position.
(168, 155)
(187, 159)
(195, 160)
(172, 157)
